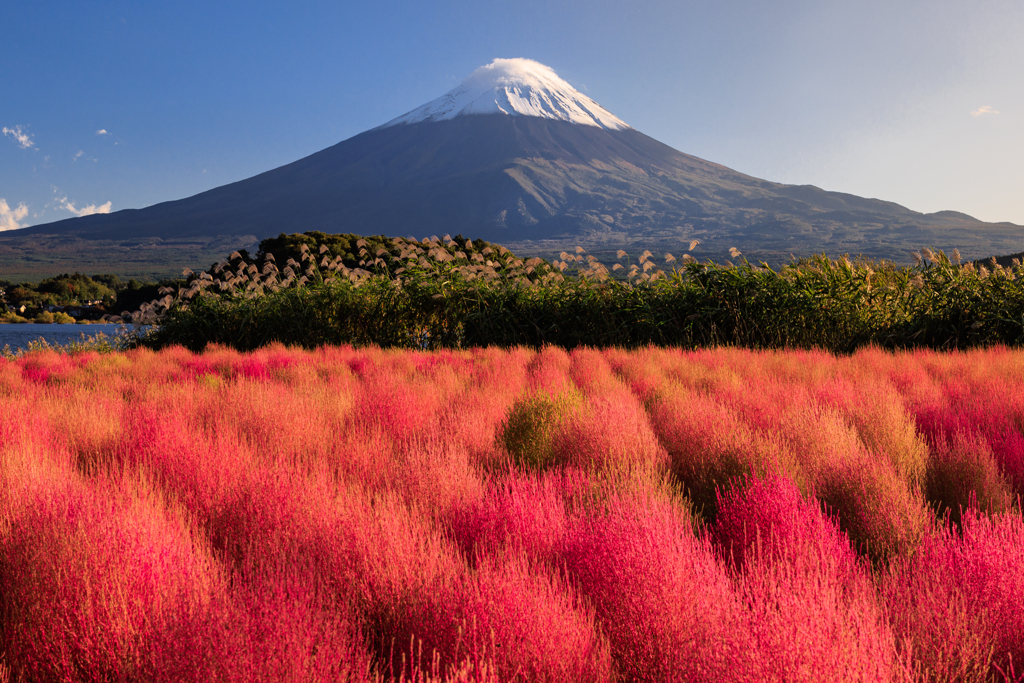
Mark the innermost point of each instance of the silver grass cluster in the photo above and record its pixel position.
(410, 259)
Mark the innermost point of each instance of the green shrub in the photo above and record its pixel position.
(98, 343)
(9, 317)
(448, 295)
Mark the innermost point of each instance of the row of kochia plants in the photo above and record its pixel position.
(511, 515)
(456, 293)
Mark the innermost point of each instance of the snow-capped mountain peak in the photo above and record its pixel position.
(515, 87)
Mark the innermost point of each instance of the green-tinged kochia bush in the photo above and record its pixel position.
(446, 295)
(530, 430)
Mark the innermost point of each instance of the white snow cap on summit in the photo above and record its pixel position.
(515, 87)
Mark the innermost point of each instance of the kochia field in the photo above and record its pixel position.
(511, 515)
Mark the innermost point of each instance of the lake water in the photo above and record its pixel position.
(18, 336)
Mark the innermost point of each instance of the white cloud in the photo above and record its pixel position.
(9, 218)
(981, 111)
(80, 153)
(85, 210)
(102, 131)
(23, 139)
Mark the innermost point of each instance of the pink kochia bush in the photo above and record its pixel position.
(958, 600)
(667, 605)
(511, 515)
(813, 612)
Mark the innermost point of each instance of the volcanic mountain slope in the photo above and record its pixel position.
(517, 156)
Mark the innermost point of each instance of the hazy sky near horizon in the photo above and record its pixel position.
(113, 105)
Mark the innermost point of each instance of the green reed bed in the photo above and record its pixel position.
(99, 343)
(454, 294)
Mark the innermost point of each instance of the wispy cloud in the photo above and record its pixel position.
(102, 131)
(80, 153)
(981, 111)
(23, 139)
(85, 210)
(9, 218)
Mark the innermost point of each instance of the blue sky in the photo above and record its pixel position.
(917, 102)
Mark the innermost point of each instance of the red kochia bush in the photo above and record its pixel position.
(770, 518)
(665, 602)
(525, 511)
(813, 615)
(523, 617)
(271, 625)
(959, 601)
(88, 576)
